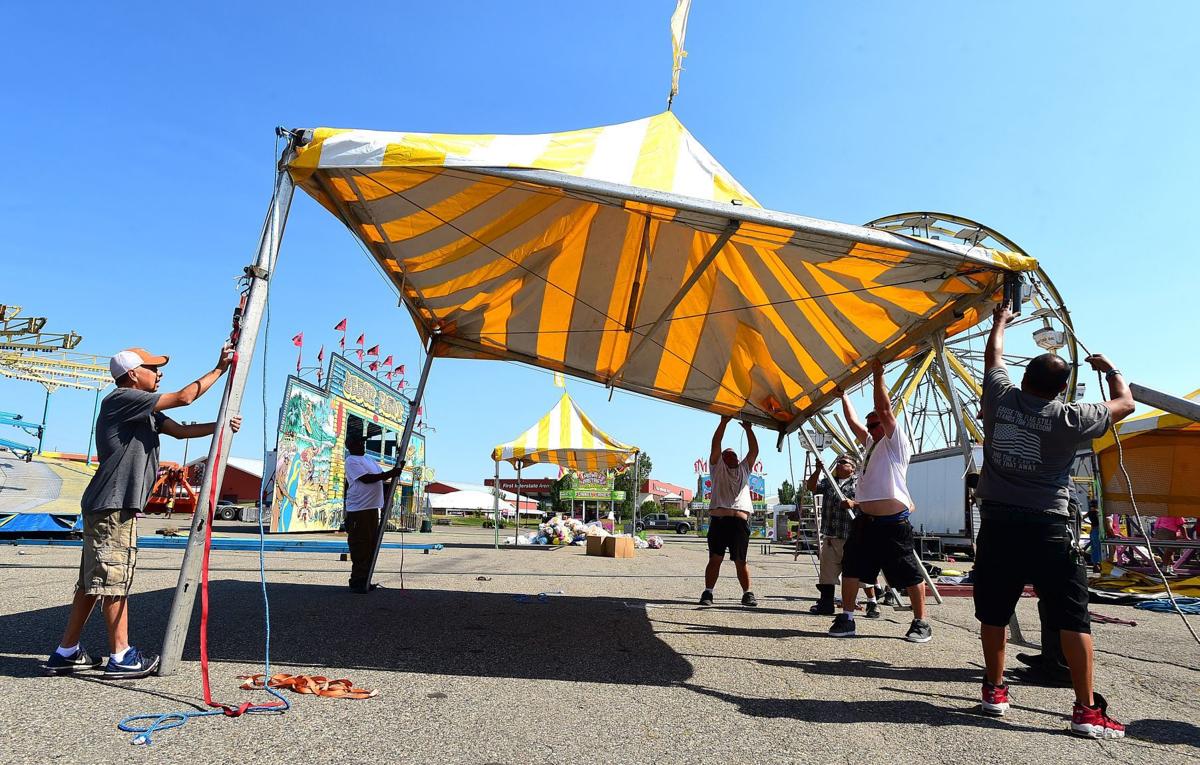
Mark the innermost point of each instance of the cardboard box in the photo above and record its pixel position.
(595, 545)
(618, 547)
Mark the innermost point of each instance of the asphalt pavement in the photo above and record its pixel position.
(615, 663)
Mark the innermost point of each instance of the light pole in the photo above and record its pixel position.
(92, 433)
(45, 413)
(186, 441)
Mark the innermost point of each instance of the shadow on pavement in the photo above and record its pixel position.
(1164, 732)
(880, 670)
(438, 632)
(905, 711)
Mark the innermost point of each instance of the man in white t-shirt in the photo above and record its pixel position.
(364, 500)
(729, 517)
(881, 536)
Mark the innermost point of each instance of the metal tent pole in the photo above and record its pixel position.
(496, 504)
(517, 533)
(637, 458)
(401, 457)
(259, 276)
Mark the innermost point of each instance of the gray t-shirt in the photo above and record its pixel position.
(1029, 444)
(127, 444)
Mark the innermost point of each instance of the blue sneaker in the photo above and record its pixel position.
(58, 664)
(134, 666)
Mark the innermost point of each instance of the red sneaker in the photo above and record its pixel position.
(995, 699)
(1094, 722)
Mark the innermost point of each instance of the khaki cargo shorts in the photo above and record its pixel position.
(109, 552)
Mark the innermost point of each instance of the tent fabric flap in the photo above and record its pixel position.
(567, 437)
(628, 255)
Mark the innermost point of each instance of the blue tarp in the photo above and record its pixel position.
(237, 544)
(14, 524)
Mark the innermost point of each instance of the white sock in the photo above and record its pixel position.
(66, 653)
(849, 615)
(708, 591)
(119, 656)
(871, 599)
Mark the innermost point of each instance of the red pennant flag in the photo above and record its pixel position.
(400, 369)
(341, 326)
(373, 366)
(362, 339)
(318, 375)
(321, 355)
(359, 352)
(388, 375)
(388, 361)
(342, 342)
(298, 340)
(373, 350)
(420, 410)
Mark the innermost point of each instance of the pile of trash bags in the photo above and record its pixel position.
(559, 531)
(572, 531)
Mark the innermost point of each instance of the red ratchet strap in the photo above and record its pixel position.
(212, 503)
(318, 685)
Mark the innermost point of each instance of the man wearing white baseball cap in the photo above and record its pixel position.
(127, 429)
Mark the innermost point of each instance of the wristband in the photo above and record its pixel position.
(1110, 374)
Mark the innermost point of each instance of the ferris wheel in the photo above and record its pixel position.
(933, 384)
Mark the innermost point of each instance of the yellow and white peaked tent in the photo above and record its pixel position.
(567, 437)
(628, 255)
(1162, 452)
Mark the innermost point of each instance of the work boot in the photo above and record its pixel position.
(824, 605)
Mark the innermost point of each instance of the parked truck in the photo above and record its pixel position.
(665, 522)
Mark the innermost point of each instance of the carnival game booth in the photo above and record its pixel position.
(1161, 453)
(567, 437)
(623, 254)
(314, 423)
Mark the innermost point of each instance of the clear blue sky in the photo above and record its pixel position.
(140, 137)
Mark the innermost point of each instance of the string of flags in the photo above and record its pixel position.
(385, 368)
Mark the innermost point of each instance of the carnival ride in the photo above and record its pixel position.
(30, 355)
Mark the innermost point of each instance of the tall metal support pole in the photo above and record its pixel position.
(401, 457)
(259, 277)
(496, 504)
(637, 459)
(92, 433)
(517, 533)
(42, 429)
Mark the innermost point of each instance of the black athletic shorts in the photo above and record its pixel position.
(728, 532)
(881, 544)
(1010, 554)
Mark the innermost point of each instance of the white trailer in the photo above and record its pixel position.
(937, 483)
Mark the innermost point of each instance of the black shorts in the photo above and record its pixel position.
(1012, 554)
(728, 532)
(885, 545)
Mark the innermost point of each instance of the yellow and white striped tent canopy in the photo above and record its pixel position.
(566, 437)
(627, 255)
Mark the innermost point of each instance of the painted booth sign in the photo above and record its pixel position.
(594, 485)
(309, 477)
(758, 490)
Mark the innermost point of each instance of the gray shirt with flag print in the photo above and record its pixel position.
(1029, 444)
(127, 444)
